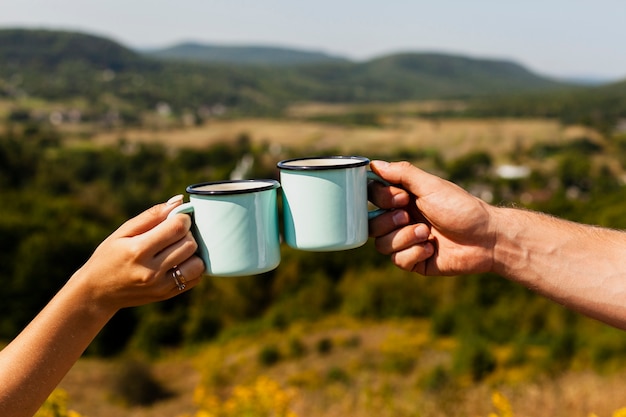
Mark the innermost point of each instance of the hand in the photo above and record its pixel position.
(133, 266)
(435, 227)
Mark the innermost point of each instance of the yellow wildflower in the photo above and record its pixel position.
(501, 404)
(620, 413)
(264, 398)
(56, 406)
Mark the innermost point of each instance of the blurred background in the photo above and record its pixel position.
(109, 108)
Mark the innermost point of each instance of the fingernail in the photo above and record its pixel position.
(399, 200)
(380, 164)
(421, 232)
(399, 218)
(174, 200)
(429, 249)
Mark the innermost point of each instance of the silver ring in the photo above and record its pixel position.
(179, 278)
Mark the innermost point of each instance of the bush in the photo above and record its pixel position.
(336, 374)
(324, 346)
(443, 323)
(400, 363)
(384, 293)
(159, 326)
(269, 355)
(435, 379)
(562, 349)
(469, 167)
(297, 349)
(134, 384)
(353, 341)
(474, 357)
(575, 171)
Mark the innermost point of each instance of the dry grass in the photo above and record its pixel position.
(500, 137)
(88, 386)
(353, 379)
(308, 109)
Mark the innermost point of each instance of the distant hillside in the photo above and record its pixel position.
(398, 76)
(427, 75)
(603, 107)
(47, 49)
(62, 65)
(242, 55)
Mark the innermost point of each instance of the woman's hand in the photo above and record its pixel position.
(131, 267)
(134, 265)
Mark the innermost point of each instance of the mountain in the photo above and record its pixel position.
(430, 75)
(60, 65)
(46, 49)
(242, 55)
(415, 74)
(588, 80)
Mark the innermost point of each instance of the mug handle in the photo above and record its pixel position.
(375, 213)
(186, 208)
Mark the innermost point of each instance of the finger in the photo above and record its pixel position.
(402, 239)
(409, 177)
(149, 218)
(414, 258)
(387, 197)
(388, 222)
(166, 233)
(191, 271)
(177, 252)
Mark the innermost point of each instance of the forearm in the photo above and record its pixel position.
(582, 267)
(131, 267)
(33, 364)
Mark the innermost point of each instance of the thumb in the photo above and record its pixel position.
(149, 218)
(408, 177)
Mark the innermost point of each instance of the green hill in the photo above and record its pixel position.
(45, 49)
(58, 65)
(241, 55)
(409, 76)
(602, 107)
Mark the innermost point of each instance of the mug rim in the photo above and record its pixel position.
(271, 184)
(285, 164)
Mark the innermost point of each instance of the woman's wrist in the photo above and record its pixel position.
(88, 297)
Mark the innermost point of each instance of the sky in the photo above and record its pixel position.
(561, 38)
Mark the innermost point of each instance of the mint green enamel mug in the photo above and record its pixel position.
(325, 202)
(235, 224)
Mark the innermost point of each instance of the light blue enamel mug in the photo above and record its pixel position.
(235, 224)
(325, 204)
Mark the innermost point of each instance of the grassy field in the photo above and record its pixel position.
(370, 369)
(451, 137)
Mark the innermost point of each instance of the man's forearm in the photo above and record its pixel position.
(582, 267)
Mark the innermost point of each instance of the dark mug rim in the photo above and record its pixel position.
(285, 164)
(193, 188)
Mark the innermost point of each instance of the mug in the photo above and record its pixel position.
(235, 224)
(325, 202)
